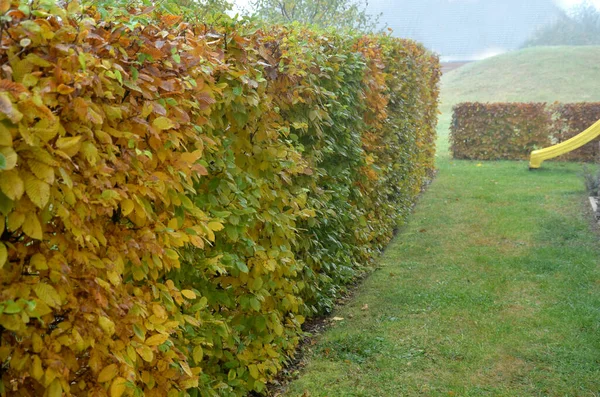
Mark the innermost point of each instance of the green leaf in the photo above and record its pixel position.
(11, 307)
(2, 162)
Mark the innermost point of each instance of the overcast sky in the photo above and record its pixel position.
(466, 29)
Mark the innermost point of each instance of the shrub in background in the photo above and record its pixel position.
(510, 131)
(570, 119)
(499, 131)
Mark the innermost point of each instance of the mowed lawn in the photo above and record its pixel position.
(491, 289)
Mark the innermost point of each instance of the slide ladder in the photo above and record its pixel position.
(538, 156)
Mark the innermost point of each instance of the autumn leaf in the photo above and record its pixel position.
(37, 190)
(48, 295)
(32, 226)
(69, 145)
(15, 220)
(55, 389)
(188, 293)
(12, 185)
(108, 373)
(145, 353)
(3, 254)
(10, 158)
(118, 387)
(216, 226)
(163, 123)
(197, 354)
(38, 261)
(5, 135)
(42, 171)
(4, 6)
(157, 339)
(107, 325)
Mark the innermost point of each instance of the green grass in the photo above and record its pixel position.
(491, 289)
(538, 74)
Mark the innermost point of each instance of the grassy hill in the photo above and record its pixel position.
(539, 74)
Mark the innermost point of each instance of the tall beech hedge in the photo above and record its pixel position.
(510, 131)
(176, 198)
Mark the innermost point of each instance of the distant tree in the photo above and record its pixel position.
(341, 14)
(581, 26)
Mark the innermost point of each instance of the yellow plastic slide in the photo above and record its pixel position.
(538, 156)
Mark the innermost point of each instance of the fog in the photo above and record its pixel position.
(465, 29)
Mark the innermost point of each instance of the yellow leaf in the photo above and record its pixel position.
(32, 226)
(127, 206)
(42, 171)
(39, 262)
(5, 135)
(46, 128)
(47, 294)
(173, 224)
(145, 353)
(186, 368)
(3, 254)
(107, 325)
(216, 226)
(36, 368)
(2, 224)
(66, 178)
(55, 389)
(42, 155)
(114, 278)
(108, 373)
(38, 191)
(11, 157)
(210, 235)
(163, 123)
(198, 353)
(64, 89)
(253, 371)
(69, 145)
(171, 254)
(37, 343)
(118, 387)
(14, 220)
(11, 184)
(188, 293)
(156, 340)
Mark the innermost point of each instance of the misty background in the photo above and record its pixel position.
(466, 29)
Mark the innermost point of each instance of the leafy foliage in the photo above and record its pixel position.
(176, 198)
(570, 119)
(510, 131)
(338, 14)
(494, 131)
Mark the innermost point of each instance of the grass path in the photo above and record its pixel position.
(492, 289)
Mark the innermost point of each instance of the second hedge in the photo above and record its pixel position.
(510, 131)
(175, 199)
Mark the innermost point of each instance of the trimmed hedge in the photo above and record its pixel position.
(510, 131)
(495, 131)
(176, 199)
(570, 119)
